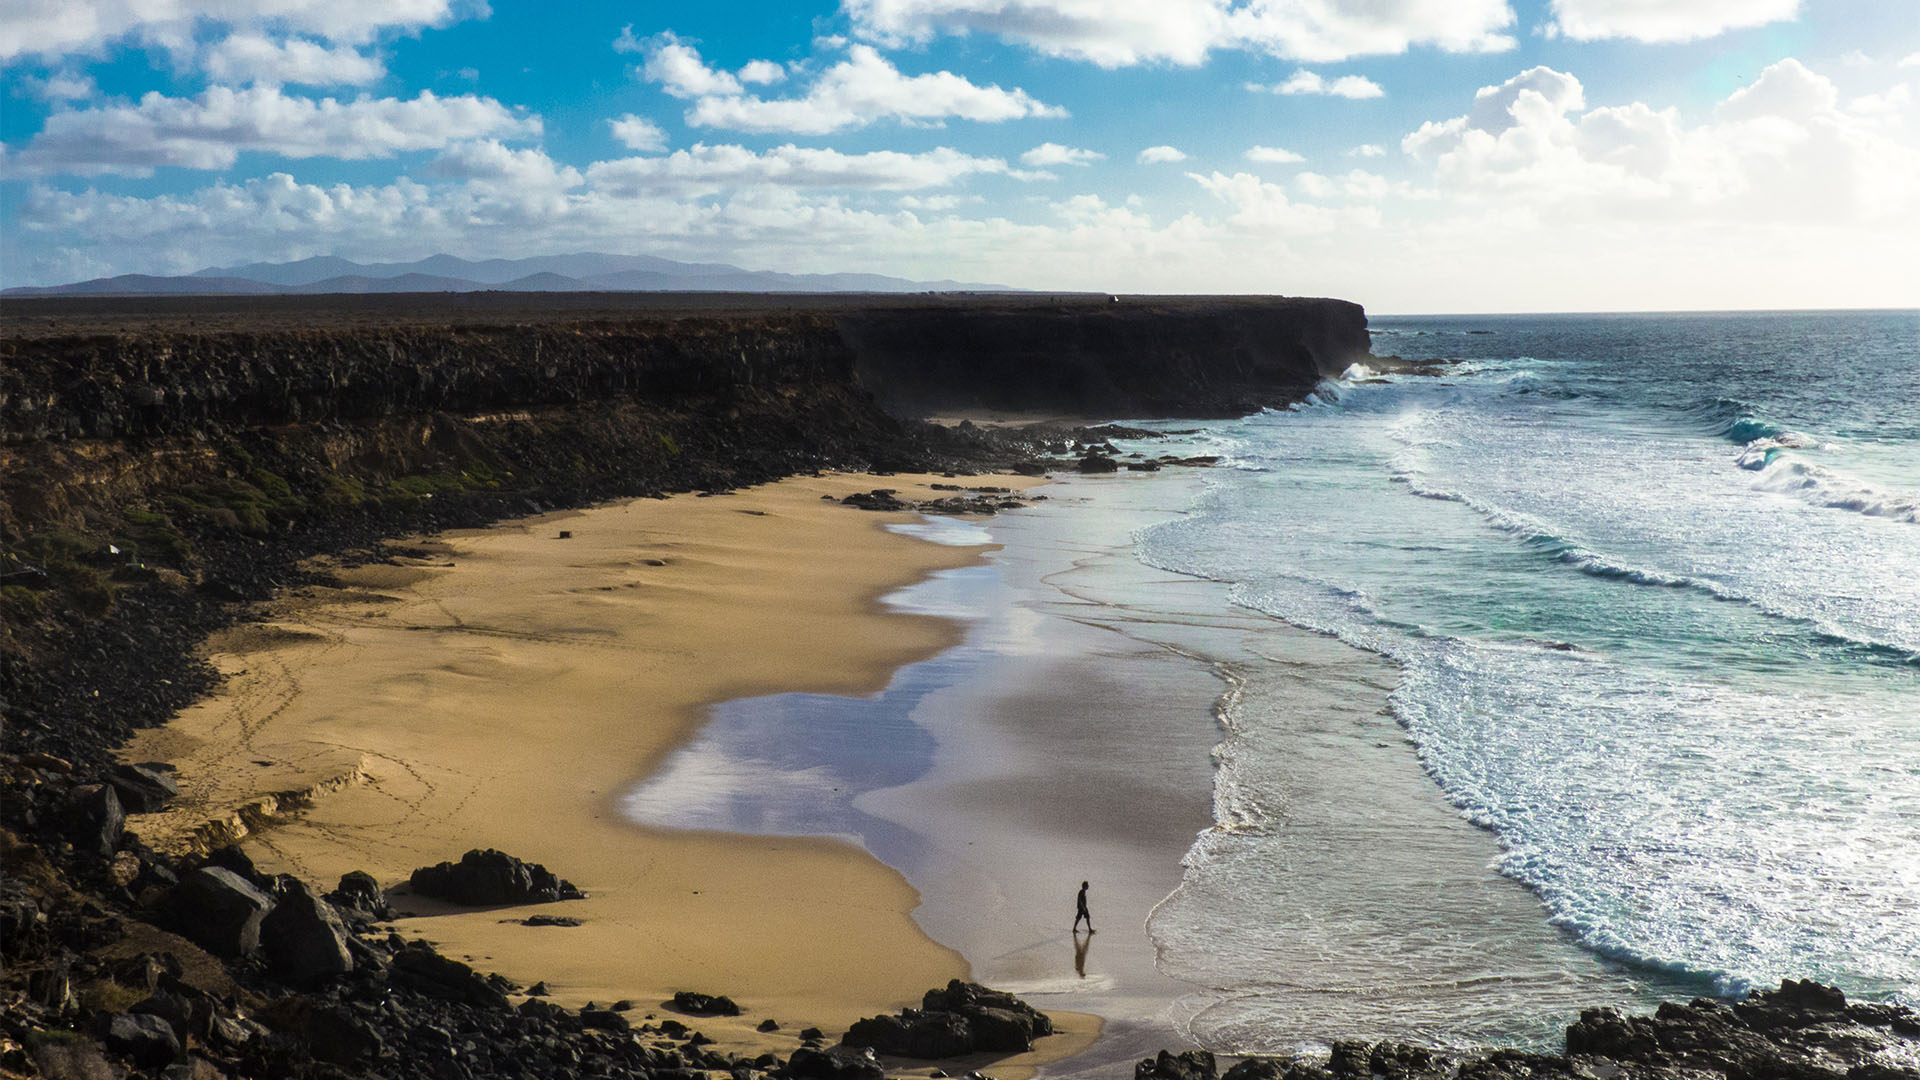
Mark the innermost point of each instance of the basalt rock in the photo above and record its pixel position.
(304, 939)
(960, 1018)
(492, 878)
(220, 911)
(688, 1001)
(835, 1063)
(359, 893)
(1186, 1065)
(143, 788)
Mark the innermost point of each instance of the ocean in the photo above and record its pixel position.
(1652, 585)
(1583, 669)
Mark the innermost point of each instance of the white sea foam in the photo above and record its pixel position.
(1700, 789)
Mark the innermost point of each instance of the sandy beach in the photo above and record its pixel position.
(501, 687)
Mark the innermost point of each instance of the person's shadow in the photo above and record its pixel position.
(1080, 946)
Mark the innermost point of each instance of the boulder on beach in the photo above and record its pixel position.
(688, 1001)
(959, 1018)
(492, 878)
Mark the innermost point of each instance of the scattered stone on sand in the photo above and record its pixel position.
(687, 1001)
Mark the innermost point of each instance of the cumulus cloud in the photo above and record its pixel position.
(1662, 20)
(1368, 150)
(1258, 204)
(855, 92)
(52, 28)
(761, 73)
(706, 169)
(1160, 155)
(1117, 33)
(1910, 60)
(1303, 81)
(1272, 155)
(255, 58)
(1780, 149)
(1049, 153)
(638, 133)
(210, 130)
(59, 86)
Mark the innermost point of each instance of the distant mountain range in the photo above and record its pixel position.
(584, 272)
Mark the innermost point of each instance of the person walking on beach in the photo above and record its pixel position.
(1080, 910)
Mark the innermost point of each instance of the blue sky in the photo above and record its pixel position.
(1415, 155)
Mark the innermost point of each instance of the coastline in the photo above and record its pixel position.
(408, 690)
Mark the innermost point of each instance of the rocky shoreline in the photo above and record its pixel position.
(154, 483)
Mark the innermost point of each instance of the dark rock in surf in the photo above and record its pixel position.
(1187, 1065)
(1097, 463)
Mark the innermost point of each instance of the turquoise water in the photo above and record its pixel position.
(1652, 585)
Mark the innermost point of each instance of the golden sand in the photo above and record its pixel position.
(503, 687)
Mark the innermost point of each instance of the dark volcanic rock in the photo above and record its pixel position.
(359, 892)
(491, 878)
(147, 1039)
(220, 911)
(705, 1004)
(913, 1033)
(143, 788)
(877, 499)
(338, 1037)
(303, 936)
(1187, 1065)
(960, 1018)
(442, 977)
(835, 1063)
(1097, 463)
(95, 819)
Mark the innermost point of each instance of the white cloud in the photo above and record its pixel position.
(938, 204)
(1272, 155)
(855, 92)
(1117, 33)
(59, 86)
(255, 58)
(1663, 20)
(1890, 105)
(61, 27)
(1049, 153)
(761, 73)
(1160, 155)
(1357, 185)
(210, 130)
(1368, 150)
(1778, 150)
(638, 133)
(1910, 60)
(1303, 81)
(676, 66)
(1260, 205)
(704, 169)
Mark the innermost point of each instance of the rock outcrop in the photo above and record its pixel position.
(491, 879)
(961, 1018)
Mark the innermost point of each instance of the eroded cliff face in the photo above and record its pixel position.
(1133, 357)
